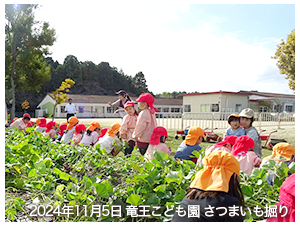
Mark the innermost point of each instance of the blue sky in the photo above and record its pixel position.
(182, 47)
(253, 21)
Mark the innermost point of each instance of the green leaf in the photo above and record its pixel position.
(101, 190)
(160, 188)
(32, 173)
(292, 167)
(148, 166)
(195, 154)
(19, 182)
(247, 191)
(134, 199)
(57, 171)
(161, 155)
(64, 176)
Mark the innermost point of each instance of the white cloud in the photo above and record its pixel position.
(148, 38)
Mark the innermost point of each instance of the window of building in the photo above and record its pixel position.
(92, 109)
(111, 109)
(62, 109)
(204, 108)
(238, 107)
(175, 110)
(165, 109)
(276, 108)
(289, 108)
(262, 109)
(159, 109)
(80, 109)
(187, 108)
(215, 107)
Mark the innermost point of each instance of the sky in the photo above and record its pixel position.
(178, 47)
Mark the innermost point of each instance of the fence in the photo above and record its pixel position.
(178, 121)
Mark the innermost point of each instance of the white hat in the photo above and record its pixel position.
(247, 113)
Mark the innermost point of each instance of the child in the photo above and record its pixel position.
(30, 124)
(225, 145)
(234, 129)
(14, 119)
(107, 141)
(21, 123)
(128, 125)
(157, 143)
(50, 130)
(282, 152)
(242, 151)
(91, 135)
(123, 99)
(70, 130)
(215, 190)
(102, 132)
(61, 130)
(41, 125)
(286, 199)
(146, 122)
(78, 135)
(190, 144)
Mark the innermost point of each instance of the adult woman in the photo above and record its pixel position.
(246, 120)
(214, 190)
(123, 99)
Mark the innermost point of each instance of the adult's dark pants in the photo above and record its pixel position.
(68, 116)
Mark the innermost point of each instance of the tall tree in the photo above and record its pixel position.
(72, 68)
(285, 55)
(140, 83)
(26, 44)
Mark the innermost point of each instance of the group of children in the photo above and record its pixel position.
(141, 130)
(217, 184)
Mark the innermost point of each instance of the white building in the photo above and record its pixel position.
(96, 106)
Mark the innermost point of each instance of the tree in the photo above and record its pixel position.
(26, 44)
(285, 55)
(60, 95)
(139, 83)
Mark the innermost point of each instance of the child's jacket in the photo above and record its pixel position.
(146, 122)
(128, 126)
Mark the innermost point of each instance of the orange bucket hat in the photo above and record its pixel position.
(113, 130)
(193, 135)
(93, 126)
(218, 169)
(283, 152)
(72, 122)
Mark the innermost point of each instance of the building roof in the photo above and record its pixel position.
(265, 94)
(249, 93)
(104, 99)
(205, 93)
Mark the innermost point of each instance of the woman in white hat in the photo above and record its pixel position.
(246, 120)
